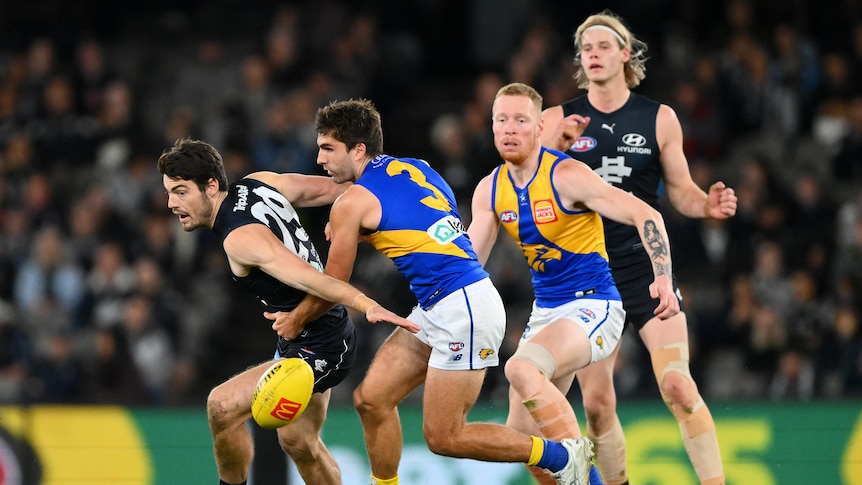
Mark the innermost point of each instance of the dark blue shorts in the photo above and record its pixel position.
(633, 282)
(331, 358)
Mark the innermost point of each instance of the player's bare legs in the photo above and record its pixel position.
(301, 441)
(448, 397)
(398, 368)
(520, 419)
(228, 409)
(536, 399)
(603, 425)
(667, 342)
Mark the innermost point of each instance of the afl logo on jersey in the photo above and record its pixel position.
(583, 144)
(507, 217)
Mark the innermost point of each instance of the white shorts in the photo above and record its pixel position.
(465, 329)
(601, 320)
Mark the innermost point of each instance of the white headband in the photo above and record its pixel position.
(606, 29)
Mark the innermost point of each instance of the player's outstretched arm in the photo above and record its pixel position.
(254, 246)
(578, 185)
(303, 190)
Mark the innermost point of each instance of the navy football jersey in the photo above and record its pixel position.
(622, 148)
(250, 201)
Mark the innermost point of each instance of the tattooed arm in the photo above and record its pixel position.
(657, 247)
(579, 187)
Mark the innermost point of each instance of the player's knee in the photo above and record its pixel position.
(442, 443)
(220, 413)
(679, 389)
(599, 405)
(518, 370)
(299, 446)
(364, 401)
(359, 402)
(530, 361)
(600, 409)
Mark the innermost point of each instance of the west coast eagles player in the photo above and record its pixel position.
(408, 212)
(551, 205)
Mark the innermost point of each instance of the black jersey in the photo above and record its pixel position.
(250, 201)
(622, 148)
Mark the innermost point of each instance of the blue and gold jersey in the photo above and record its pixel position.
(564, 248)
(420, 228)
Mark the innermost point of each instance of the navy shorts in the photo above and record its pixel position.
(330, 359)
(633, 282)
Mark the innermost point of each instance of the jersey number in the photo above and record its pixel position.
(436, 201)
(273, 208)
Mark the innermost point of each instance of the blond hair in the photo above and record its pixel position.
(521, 89)
(634, 69)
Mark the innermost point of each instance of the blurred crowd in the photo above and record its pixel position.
(104, 299)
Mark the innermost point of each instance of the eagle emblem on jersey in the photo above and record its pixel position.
(485, 353)
(538, 255)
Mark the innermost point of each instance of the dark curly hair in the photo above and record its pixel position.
(352, 122)
(193, 160)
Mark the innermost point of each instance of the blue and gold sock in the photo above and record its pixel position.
(548, 454)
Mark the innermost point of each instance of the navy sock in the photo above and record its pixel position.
(554, 457)
(222, 482)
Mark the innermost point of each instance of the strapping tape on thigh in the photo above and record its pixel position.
(539, 356)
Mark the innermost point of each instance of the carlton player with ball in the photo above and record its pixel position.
(270, 255)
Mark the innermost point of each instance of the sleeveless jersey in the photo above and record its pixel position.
(420, 228)
(564, 248)
(250, 201)
(622, 148)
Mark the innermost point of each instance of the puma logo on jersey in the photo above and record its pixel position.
(610, 127)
